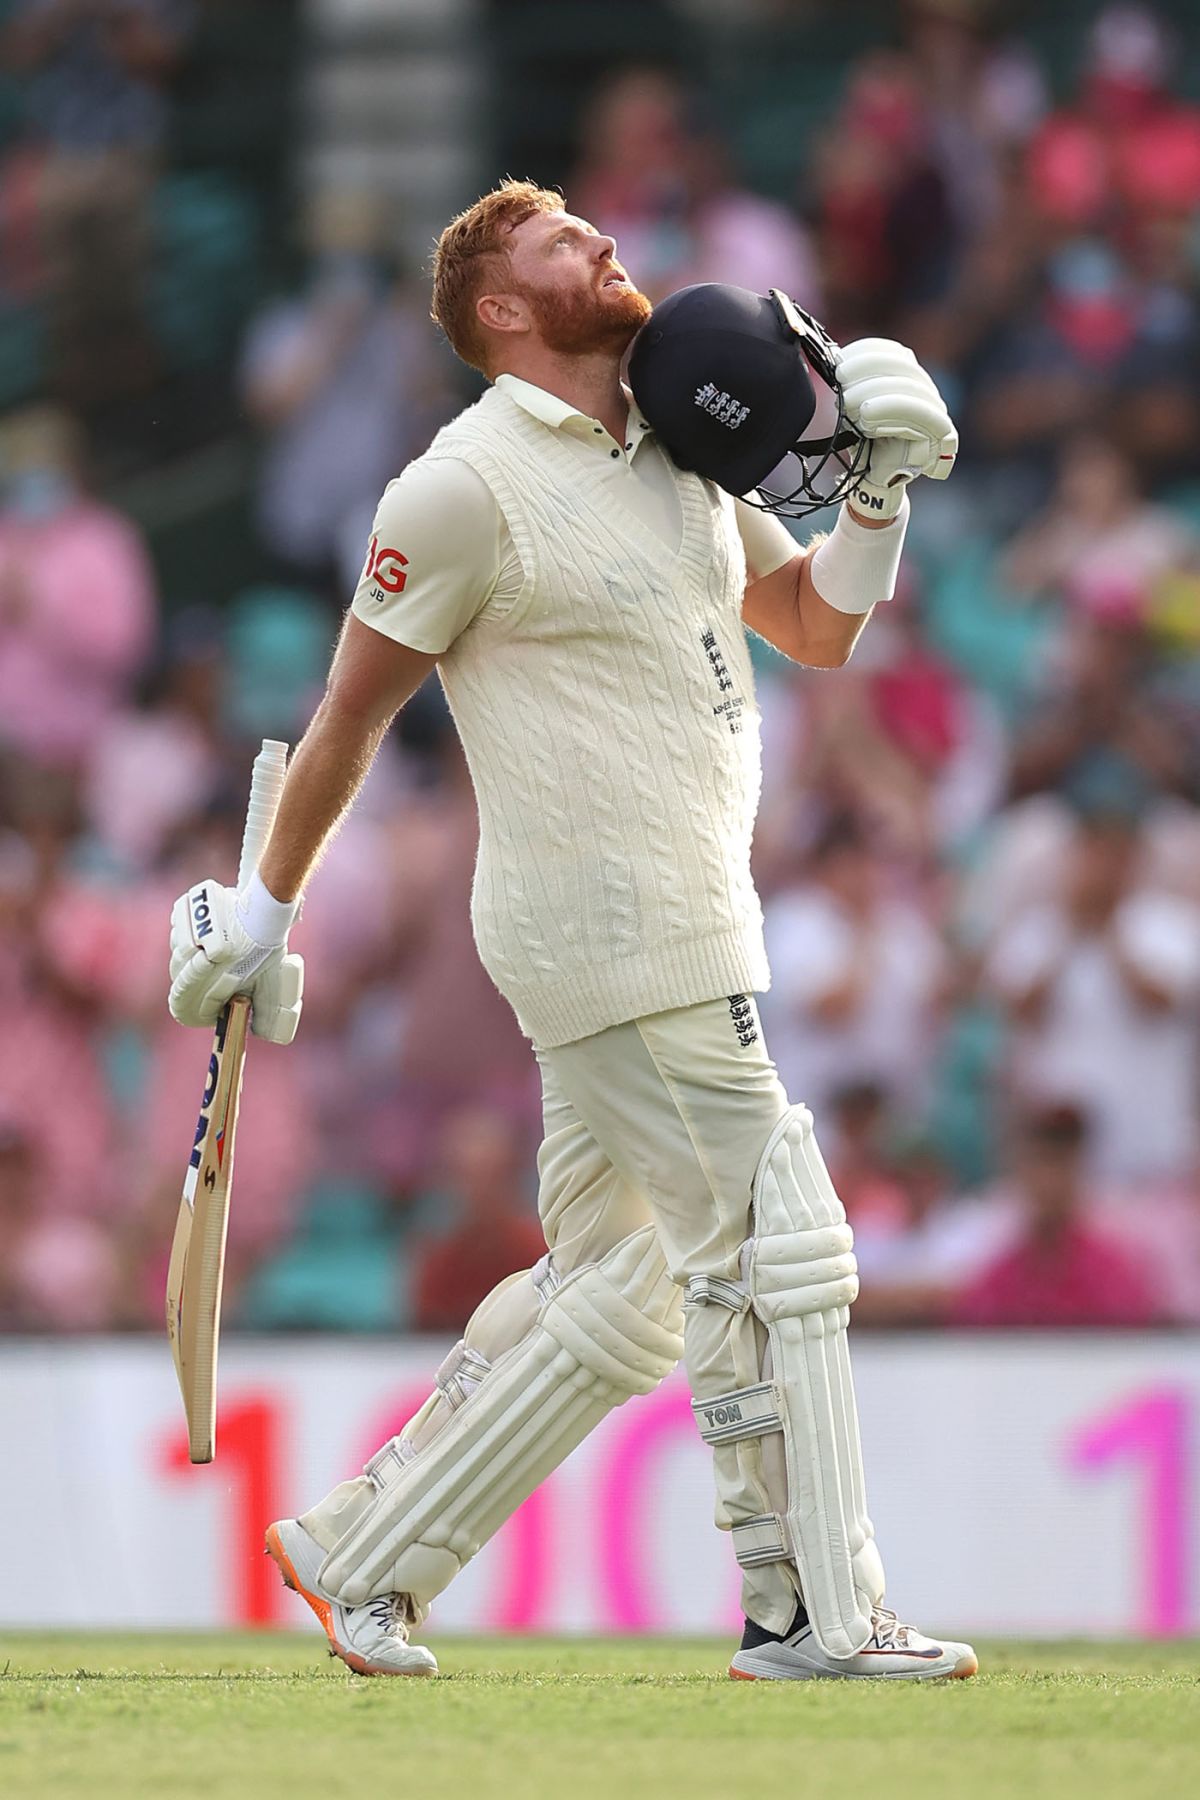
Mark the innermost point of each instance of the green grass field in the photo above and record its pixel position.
(272, 1718)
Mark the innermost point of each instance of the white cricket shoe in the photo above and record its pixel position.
(372, 1639)
(894, 1652)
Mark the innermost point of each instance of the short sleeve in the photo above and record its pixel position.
(766, 540)
(433, 558)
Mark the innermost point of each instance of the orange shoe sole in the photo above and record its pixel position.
(324, 1612)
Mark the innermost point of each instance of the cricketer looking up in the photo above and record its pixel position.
(572, 558)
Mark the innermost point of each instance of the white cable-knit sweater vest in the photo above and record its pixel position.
(610, 726)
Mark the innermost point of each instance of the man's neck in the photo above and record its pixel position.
(591, 384)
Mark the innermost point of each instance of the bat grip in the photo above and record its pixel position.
(266, 790)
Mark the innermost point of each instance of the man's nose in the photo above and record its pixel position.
(606, 249)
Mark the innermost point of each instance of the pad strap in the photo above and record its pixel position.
(460, 1374)
(715, 1290)
(746, 1412)
(761, 1540)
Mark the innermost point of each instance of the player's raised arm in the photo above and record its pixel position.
(752, 392)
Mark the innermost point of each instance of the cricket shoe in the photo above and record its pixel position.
(372, 1639)
(893, 1652)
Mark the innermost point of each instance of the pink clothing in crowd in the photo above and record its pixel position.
(53, 1089)
(77, 613)
(1082, 1278)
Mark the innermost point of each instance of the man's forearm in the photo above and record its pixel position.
(323, 778)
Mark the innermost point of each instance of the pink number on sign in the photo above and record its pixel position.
(627, 1496)
(1151, 1430)
(247, 1469)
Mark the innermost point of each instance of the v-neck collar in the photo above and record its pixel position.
(693, 504)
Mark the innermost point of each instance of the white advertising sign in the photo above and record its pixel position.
(1020, 1485)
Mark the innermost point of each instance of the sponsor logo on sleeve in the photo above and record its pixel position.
(385, 570)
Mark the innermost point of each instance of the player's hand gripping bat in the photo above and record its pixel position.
(197, 1266)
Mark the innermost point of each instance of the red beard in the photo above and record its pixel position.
(580, 324)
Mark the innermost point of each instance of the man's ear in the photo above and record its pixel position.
(503, 312)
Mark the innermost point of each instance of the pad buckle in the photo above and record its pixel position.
(716, 1290)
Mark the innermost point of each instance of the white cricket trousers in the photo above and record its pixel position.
(660, 1121)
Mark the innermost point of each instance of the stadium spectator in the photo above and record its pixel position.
(58, 1272)
(912, 1268)
(47, 1041)
(1126, 139)
(97, 74)
(1098, 728)
(345, 386)
(1099, 546)
(1101, 984)
(857, 971)
(159, 764)
(664, 188)
(492, 1226)
(855, 1136)
(1062, 1269)
(888, 235)
(65, 666)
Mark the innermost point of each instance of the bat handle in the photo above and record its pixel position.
(266, 790)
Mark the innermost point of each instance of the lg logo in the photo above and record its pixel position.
(385, 568)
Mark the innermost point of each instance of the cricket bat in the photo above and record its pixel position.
(197, 1265)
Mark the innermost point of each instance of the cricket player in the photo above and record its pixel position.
(576, 564)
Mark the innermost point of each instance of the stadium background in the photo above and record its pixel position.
(979, 848)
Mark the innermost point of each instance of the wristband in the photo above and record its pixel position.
(263, 917)
(856, 568)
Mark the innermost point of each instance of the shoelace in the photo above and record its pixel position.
(390, 1613)
(890, 1634)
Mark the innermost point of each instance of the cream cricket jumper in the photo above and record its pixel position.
(609, 722)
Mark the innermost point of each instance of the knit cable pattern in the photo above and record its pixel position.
(616, 803)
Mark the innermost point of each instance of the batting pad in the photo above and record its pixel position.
(785, 1441)
(609, 1330)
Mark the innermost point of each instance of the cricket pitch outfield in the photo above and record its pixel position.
(270, 1717)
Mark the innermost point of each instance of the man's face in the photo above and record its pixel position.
(579, 298)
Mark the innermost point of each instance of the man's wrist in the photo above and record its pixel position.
(263, 917)
(870, 521)
(856, 567)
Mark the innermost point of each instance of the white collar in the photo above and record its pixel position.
(540, 404)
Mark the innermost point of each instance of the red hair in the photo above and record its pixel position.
(473, 252)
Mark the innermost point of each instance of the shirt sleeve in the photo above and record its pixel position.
(433, 558)
(766, 540)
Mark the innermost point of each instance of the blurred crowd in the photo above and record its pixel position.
(979, 848)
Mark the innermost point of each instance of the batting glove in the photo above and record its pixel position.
(213, 957)
(890, 398)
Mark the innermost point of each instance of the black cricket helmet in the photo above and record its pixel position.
(742, 389)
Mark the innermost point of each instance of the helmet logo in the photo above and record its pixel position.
(725, 409)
